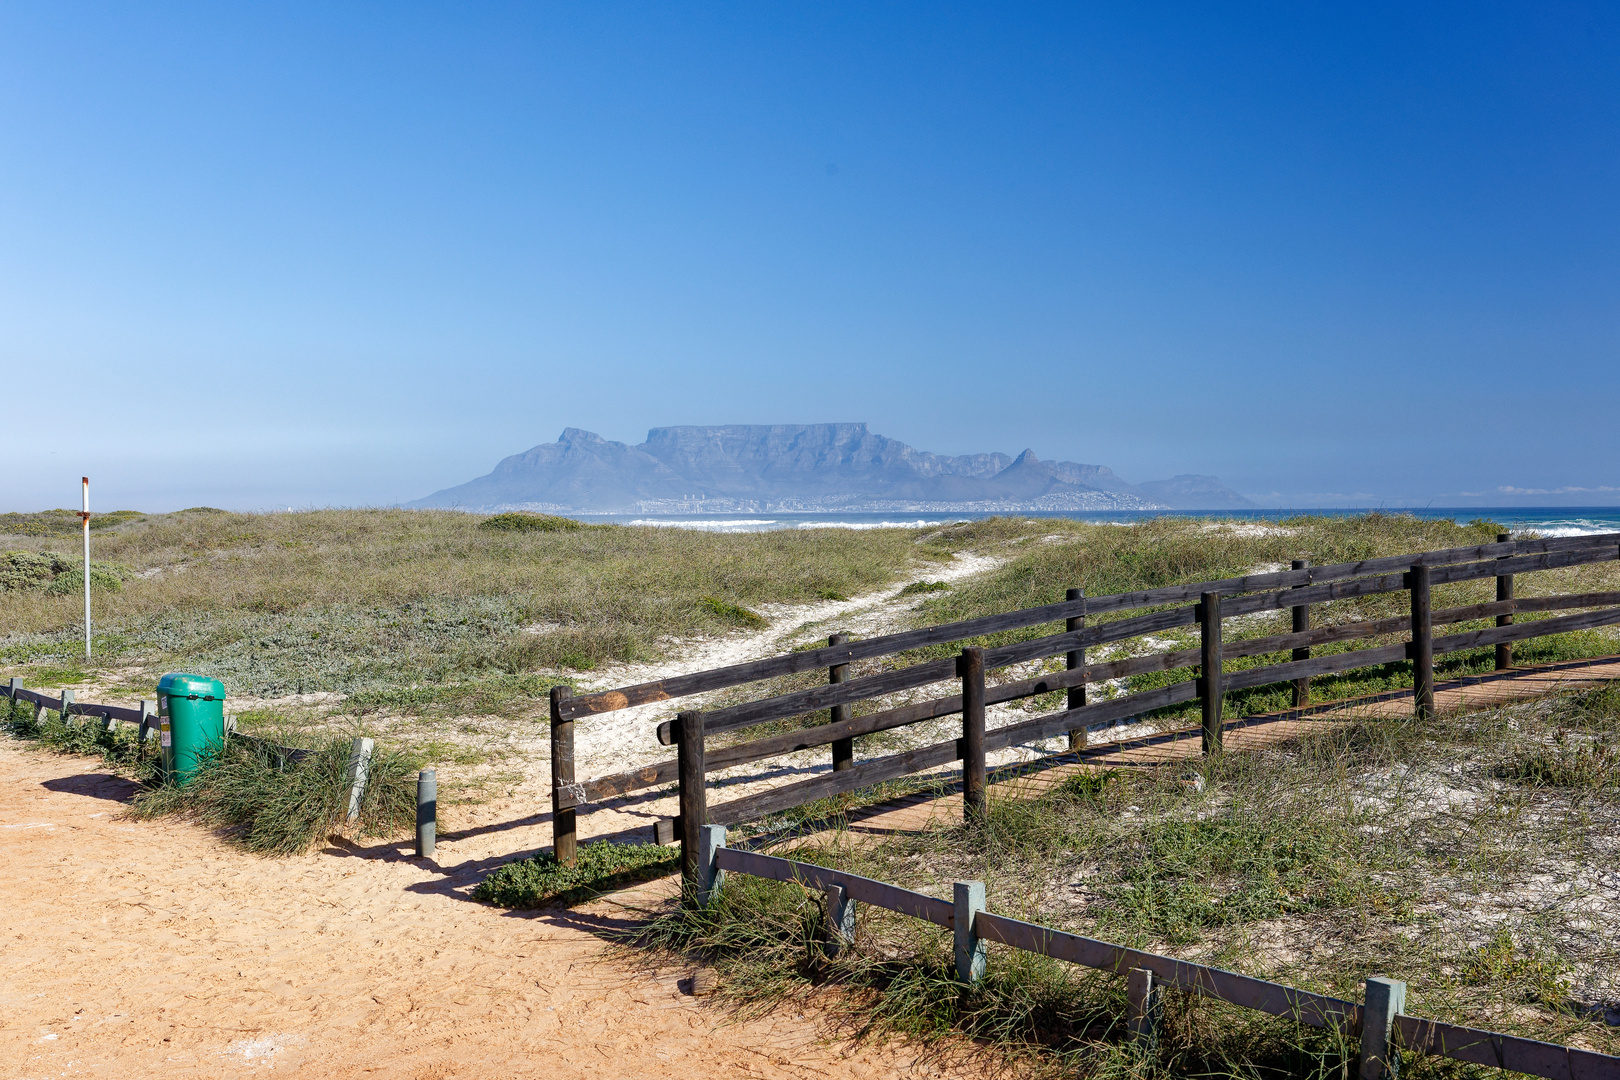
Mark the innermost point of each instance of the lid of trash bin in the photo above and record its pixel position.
(179, 684)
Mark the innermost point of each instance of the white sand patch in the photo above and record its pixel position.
(621, 740)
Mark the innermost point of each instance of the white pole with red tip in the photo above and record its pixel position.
(85, 514)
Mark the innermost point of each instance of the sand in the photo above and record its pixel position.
(138, 949)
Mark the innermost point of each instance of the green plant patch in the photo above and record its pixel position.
(598, 868)
(46, 571)
(527, 522)
(733, 613)
(1594, 764)
(246, 793)
(916, 588)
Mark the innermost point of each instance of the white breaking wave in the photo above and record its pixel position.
(1570, 527)
(918, 524)
(730, 525)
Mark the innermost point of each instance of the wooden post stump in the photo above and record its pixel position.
(1504, 592)
(564, 839)
(971, 668)
(1421, 649)
(1075, 660)
(1385, 999)
(694, 799)
(1146, 1001)
(843, 750)
(1209, 679)
(968, 897)
(1302, 623)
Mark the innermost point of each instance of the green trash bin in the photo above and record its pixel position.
(191, 711)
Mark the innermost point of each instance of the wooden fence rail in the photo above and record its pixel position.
(1087, 622)
(145, 716)
(974, 924)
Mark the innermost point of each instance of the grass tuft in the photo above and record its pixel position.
(541, 880)
(522, 521)
(242, 791)
(735, 614)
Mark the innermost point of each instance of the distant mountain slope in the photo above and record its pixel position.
(806, 467)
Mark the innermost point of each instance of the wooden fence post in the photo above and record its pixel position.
(694, 800)
(1421, 650)
(1074, 661)
(1504, 591)
(11, 691)
(1302, 623)
(427, 812)
(67, 704)
(148, 728)
(711, 838)
(1385, 999)
(843, 750)
(970, 666)
(840, 921)
(968, 897)
(564, 839)
(359, 766)
(1209, 682)
(1146, 1001)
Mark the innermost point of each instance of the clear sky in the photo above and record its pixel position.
(283, 255)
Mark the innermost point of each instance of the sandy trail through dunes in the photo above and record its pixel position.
(138, 949)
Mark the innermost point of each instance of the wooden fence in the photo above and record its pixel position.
(1206, 605)
(1381, 1025)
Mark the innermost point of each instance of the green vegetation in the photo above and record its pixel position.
(1425, 852)
(601, 867)
(382, 601)
(526, 522)
(424, 619)
(245, 794)
(243, 791)
(48, 572)
(732, 613)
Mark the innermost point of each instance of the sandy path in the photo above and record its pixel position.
(619, 740)
(137, 949)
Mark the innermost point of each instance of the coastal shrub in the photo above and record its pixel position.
(523, 521)
(48, 572)
(599, 867)
(1594, 764)
(733, 613)
(243, 792)
(917, 588)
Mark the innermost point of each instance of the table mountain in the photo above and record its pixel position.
(802, 467)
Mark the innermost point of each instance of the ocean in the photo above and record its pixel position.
(1544, 521)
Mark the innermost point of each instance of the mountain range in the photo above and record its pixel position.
(783, 468)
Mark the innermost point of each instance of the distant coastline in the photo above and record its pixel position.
(1548, 521)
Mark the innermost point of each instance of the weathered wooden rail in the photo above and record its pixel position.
(1380, 1023)
(1088, 622)
(146, 717)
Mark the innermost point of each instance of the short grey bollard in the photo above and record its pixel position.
(970, 950)
(67, 703)
(711, 838)
(1146, 1000)
(427, 811)
(1385, 1000)
(16, 685)
(148, 728)
(359, 766)
(840, 921)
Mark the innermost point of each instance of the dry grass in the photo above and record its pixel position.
(1418, 852)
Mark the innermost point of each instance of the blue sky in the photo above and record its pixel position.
(273, 255)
